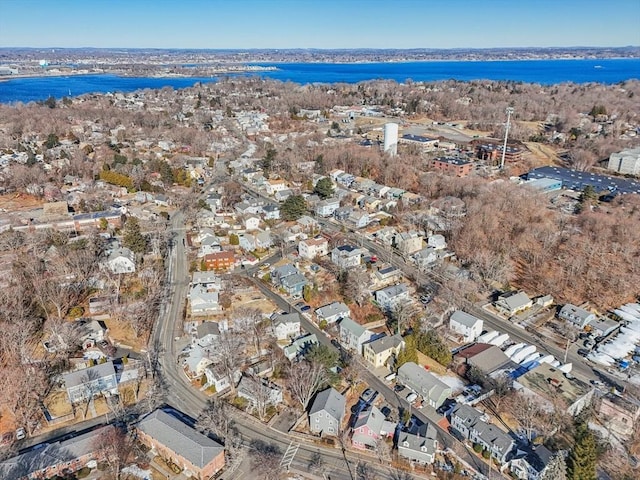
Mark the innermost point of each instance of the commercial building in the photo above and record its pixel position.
(626, 162)
(454, 166)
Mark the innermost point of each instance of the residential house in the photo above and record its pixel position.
(220, 261)
(84, 384)
(203, 301)
(294, 284)
(259, 391)
(468, 326)
(576, 315)
(299, 346)
(386, 235)
(249, 207)
(209, 244)
(206, 334)
(512, 303)
(619, 413)
(433, 390)
(278, 274)
(533, 463)
(327, 412)
(161, 200)
(263, 240)
(271, 212)
(353, 335)
(214, 201)
(408, 242)
(342, 213)
(346, 256)
(198, 359)
(91, 331)
(282, 195)
(547, 382)
(387, 273)
(307, 223)
(314, 247)
(251, 223)
(378, 352)
(217, 377)
(57, 458)
(120, 261)
(603, 326)
(437, 241)
(208, 280)
(273, 186)
(326, 208)
(286, 325)
(333, 312)
(345, 179)
(498, 443)
(426, 257)
(464, 417)
(419, 448)
(378, 190)
(247, 242)
(369, 427)
(358, 218)
(389, 297)
(172, 439)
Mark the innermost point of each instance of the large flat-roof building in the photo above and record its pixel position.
(454, 166)
(627, 161)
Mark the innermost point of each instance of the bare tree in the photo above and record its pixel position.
(266, 460)
(246, 319)
(115, 447)
(231, 352)
(304, 379)
(216, 418)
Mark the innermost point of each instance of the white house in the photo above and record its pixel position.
(209, 244)
(466, 325)
(286, 325)
(202, 301)
(121, 260)
(388, 297)
(346, 256)
(251, 222)
(217, 377)
(353, 335)
(437, 241)
(273, 186)
(271, 212)
(333, 312)
(325, 208)
(313, 247)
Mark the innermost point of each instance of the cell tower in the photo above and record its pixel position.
(509, 112)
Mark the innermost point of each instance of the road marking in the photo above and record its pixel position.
(288, 456)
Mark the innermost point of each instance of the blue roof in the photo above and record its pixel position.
(95, 215)
(577, 180)
(417, 138)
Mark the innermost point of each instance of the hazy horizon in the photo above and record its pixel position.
(327, 25)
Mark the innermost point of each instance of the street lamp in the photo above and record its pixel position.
(509, 112)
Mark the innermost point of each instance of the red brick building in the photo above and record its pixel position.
(176, 442)
(492, 153)
(453, 166)
(219, 261)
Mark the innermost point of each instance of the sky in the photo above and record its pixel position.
(246, 24)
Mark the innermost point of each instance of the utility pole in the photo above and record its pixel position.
(509, 112)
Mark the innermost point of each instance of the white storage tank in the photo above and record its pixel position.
(391, 138)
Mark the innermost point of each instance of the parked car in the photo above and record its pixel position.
(412, 397)
(21, 433)
(398, 388)
(369, 395)
(386, 411)
(104, 344)
(583, 352)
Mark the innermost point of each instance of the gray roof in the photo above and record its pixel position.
(335, 308)
(330, 401)
(352, 327)
(514, 300)
(372, 417)
(394, 290)
(492, 435)
(382, 344)
(208, 328)
(417, 442)
(464, 318)
(467, 414)
(295, 279)
(180, 438)
(79, 377)
(51, 454)
(279, 318)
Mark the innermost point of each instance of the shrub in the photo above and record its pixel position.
(486, 454)
(83, 472)
(477, 447)
(76, 312)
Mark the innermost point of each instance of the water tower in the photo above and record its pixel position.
(391, 138)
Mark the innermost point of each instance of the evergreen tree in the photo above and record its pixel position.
(409, 353)
(267, 161)
(133, 238)
(294, 207)
(581, 463)
(324, 188)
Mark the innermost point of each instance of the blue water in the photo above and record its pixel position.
(534, 71)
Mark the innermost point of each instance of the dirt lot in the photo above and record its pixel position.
(434, 366)
(252, 299)
(58, 404)
(18, 201)
(122, 333)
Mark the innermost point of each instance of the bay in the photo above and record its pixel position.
(546, 72)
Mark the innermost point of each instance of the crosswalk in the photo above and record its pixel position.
(289, 455)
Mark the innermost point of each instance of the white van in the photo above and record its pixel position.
(391, 377)
(412, 397)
